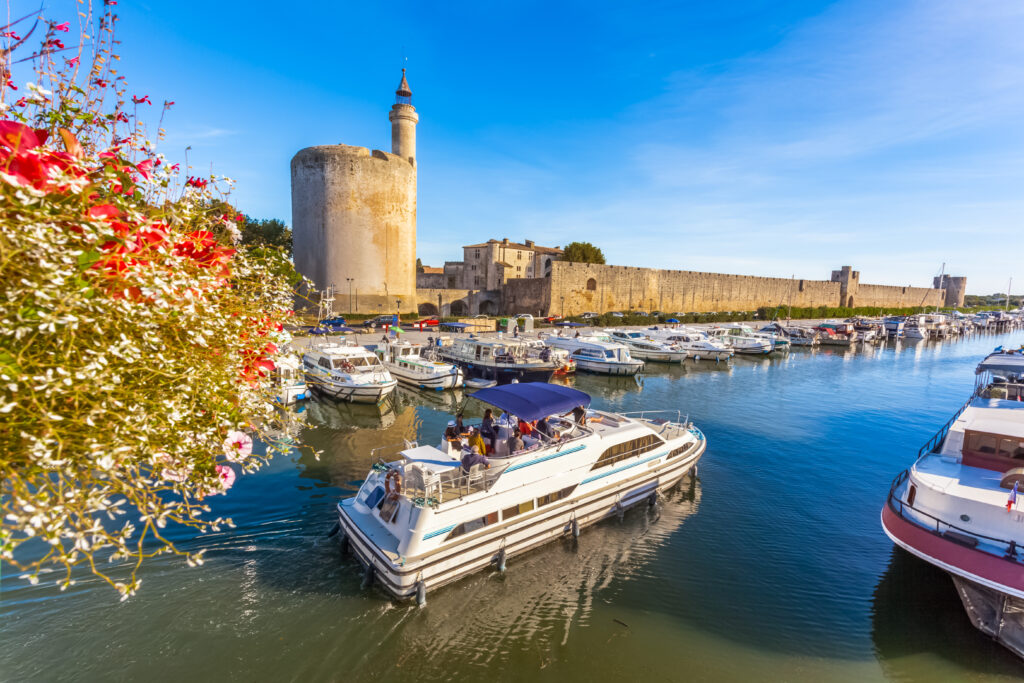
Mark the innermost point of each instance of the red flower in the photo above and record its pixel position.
(141, 100)
(71, 62)
(10, 34)
(121, 117)
(168, 104)
(18, 137)
(176, 167)
(10, 84)
(101, 83)
(54, 42)
(144, 167)
(61, 27)
(198, 183)
(239, 218)
(102, 212)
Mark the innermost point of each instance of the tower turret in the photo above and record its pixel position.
(403, 119)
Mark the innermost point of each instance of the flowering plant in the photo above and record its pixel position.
(138, 339)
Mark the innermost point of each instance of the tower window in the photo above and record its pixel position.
(591, 284)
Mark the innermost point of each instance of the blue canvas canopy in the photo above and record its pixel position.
(672, 320)
(533, 400)
(455, 326)
(569, 323)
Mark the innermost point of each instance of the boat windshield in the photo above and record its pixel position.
(357, 362)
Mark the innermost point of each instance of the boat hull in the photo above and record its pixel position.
(504, 374)
(601, 368)
(355, 393)
(659, 356)
(439, 382)
(452, 563)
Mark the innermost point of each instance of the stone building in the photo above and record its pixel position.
(489, 265)
(354, 217)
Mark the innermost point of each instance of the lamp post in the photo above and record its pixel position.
(398, 309)
(563, 306)
(350, 294)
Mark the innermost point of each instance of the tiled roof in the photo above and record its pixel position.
(429, 269)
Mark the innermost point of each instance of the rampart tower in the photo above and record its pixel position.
(354, 217)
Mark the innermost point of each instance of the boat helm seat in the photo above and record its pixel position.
(1011, 477)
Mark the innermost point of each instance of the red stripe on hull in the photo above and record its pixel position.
(978, 565)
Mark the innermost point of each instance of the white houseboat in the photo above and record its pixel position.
(289, 384)
(594, 354)
(960, 506)
(697, 344)
(643, 347)
(404, 362)
(740, 343)
(348, 373)
(422, 520)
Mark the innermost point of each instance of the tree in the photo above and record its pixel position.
(270, 232)
(582, 252)
(419, 265)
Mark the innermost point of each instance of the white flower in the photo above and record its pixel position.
(237, 446)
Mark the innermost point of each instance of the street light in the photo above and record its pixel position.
(563, 306)
(350, 294)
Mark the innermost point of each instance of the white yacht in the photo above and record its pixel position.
(347, 372)
(289, 384)
(778, 341)
(593, 354)
(694, 342)
(643, 347)
(501, 361)
(740, 343)
(406, 364)
(421, 520)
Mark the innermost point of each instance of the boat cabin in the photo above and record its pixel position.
(994, 439)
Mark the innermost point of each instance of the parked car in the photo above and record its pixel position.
(379, 321)
(336, 320)
(524, 316)
(552, 318)
(428, 322)
(643, 313)
(589, 316)
(616, 314)
(481, 315)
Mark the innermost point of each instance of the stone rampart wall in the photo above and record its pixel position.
(529, 295)
(577, 288)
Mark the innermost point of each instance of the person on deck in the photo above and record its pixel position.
(477, 441)
(544, 427)
(458, 424)
(524, 428)
(515, 443)
(579, 413)
(471, 456)
(487, 430)
(451, 433)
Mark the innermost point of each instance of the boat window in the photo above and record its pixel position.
(981, 443)
(508, 513)
(609, 353)
(627, 449)
(389, 509)
(473, 525)
(557, 495)
(374, 497)
(324, 363)
(680, 450)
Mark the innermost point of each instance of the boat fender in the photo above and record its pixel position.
(500, 560)
(697, 357)
(421, 593)
(652, 500)
(575, 528)
(368, 576)
(334, 529)
(619, 510)
(343, 542)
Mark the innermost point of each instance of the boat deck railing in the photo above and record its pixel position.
(655, 419)
(933, 443)
(451, 484)
(948, 530)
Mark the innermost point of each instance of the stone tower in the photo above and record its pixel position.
(354, 217)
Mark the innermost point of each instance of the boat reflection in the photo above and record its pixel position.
(920, 631)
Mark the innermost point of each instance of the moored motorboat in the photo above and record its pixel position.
(289, 385)
(957, 508)
(421, 520)
(740, 343)
(642, 346)
(406, 364)
(499, 360)
(347, 372)
(597, 355)
(697, 344)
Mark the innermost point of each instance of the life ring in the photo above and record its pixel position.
(393, 482)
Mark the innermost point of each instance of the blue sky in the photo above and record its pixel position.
(764, 138)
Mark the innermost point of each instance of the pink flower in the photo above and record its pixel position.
(72, 62)
(237, 446)
(10, 34)
(226, 475)
(141, 100)
(61, 27)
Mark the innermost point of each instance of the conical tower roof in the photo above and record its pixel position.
(403, 87)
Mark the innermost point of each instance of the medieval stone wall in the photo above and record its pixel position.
(577, 288)
(529, 295)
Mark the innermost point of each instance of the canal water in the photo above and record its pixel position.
(769, 565)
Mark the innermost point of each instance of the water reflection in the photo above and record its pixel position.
(920, 630)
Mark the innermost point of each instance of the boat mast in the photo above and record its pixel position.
(942, 285)
(1008, 285)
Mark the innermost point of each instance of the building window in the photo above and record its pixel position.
(519, 269)
(476, 281)
(591, 284)
(473, 267)
(477, 253)
(519, 255)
